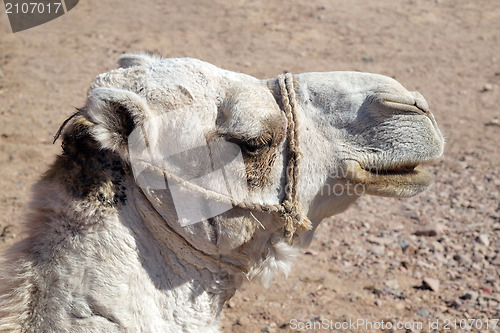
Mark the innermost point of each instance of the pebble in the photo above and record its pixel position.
(243, 321)
(437, 246)
(482, 302)
(379, 240)
(423, 313)
(463, 259)
(266, 329)
(377, 249)
(392, 284)
(493, 122)
(430, 230)
(431, 283)
(487, 87)
(311, 252)
(486, 290)
(478, 258)
(411, 250)
(404, 244)
(406, 264)
(470, 295)
(484, 239)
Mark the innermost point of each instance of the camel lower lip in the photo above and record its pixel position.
(401, 181)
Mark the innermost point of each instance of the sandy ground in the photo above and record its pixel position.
(367, 263)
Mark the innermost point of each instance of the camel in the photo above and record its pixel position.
(179, 180)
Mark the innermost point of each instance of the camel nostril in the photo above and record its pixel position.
(420, 108)
(421, 103)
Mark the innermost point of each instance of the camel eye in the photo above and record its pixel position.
(257, 145)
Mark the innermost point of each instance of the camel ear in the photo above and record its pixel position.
(133, 60)
(115, 113)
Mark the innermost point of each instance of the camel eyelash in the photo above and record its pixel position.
(256, 145)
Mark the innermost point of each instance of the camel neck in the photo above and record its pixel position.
(188, 290)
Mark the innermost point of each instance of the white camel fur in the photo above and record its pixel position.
(108, 252)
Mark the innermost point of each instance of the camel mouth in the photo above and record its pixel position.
(402, 180)
(406, 169)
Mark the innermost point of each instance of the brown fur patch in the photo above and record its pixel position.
(258, 164)
(87, 171)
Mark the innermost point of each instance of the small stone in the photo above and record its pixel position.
(411, 250)
(392, 284)
(487, 87)
(404, 244)
(437, 246)
(463, 259)
(231, 304)
(430, 230)
(431, 283)
(470, 295)
(311, 252)
(379, 240)
(423, 313)
(367, 58)
(377, 250)
(455, 303)
(243, 321)
(486, 290)
(478, 258)
(484, 239)
(378, 302)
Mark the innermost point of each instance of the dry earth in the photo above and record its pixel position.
(367, 263)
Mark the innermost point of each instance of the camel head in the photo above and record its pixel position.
(208, 149)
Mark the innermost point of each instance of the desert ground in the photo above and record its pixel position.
(368, 263)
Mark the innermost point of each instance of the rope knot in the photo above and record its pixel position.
(294, 219)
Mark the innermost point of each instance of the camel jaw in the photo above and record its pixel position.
(402, 180)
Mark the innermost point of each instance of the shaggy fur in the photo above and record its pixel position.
(103, 253)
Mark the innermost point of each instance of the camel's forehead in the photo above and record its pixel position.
(167, 79)
(349, 83)
(164, 72)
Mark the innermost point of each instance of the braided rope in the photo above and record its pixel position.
(292, 212)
